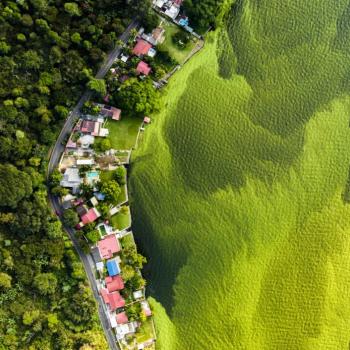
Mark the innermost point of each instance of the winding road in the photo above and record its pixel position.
(53, 163)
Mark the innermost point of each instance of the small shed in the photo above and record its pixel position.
(137, 294)
(124, 58)
(151, 52)
(94, 201)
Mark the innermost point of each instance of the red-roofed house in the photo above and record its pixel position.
(146, 120)
(122, 318)
(141, 48)
(108, 246)
(90, 127)
(114, 283)
(112, 112)
(113, 300)
(90, 216)
(143, 68)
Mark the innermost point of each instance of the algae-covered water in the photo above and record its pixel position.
(239, 183)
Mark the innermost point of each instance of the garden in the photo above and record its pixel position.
(122, 219)
(177, 43)
(123, 133)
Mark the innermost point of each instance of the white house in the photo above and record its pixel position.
(71, 179)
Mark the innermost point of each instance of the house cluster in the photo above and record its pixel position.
(145, 46)
(111, 287)
(79, 151)
(172, 10)
(81, 165)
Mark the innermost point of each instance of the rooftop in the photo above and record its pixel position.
(114, 283)
(71, 178)
(90, 216)
(122, 318)
(114, 300)
(110, 111)
(143, 68)
(158, 34)
(113, 267)
(147, 120)
(108, 246)
(90, 127)
(141, 47)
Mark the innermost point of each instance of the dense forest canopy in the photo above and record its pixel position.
(49, 52)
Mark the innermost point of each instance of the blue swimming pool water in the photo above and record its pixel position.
(92, 174)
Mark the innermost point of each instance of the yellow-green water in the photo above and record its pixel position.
(237, 188)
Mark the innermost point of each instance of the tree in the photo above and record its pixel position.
(55, 178)
(124, 210)
(78, 271)
(70, 217)
(97, 85)
(45, 283)
(138, 97)
(54, 229)
(104, 145)
(39, 5)
(203, 13)
(128, 272)
(87, 190)
(76, 38)
(5, 280)
(30, 316)
(111, 189)
(133, 258)
(27, 20)
(31, 60)
(137, 282)
(14, 185)
(133, 311)
(93, 236)
(120, 175)
(4, 47)
(181, 39)
(52, 321)
(21, 37)
(72, 9)
(80, 308)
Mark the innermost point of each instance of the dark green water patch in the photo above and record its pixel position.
(286, 53)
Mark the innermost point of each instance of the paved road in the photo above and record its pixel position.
(53, 163)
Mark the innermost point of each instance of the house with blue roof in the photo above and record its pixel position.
(113, 267)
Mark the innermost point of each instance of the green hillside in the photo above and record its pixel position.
(238, 186)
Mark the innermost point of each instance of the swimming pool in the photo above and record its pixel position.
(92, 174)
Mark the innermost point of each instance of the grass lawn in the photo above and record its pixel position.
(174, 51)
(145, 332)
(122, 196)
(121, 221)
(106, 175)
(123, 133)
